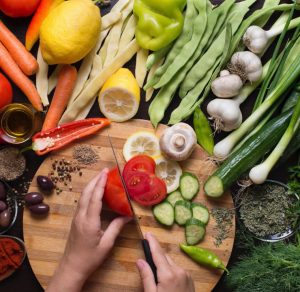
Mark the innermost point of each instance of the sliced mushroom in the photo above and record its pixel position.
(178, 142)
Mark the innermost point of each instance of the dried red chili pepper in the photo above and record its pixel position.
(56, 138)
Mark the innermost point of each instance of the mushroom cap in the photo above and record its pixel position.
(178, 142)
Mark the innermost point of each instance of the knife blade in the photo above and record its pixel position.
(145, 243)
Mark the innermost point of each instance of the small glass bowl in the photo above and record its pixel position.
(22, 244)
(13, 205)
(278, 236)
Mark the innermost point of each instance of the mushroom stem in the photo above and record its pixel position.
(178, 140)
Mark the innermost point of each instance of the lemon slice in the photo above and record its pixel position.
(169, 171)
(119, 98)
(141, 142)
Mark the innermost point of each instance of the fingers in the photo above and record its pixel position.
(146, 276)
(95, 203)
(86, 194)
(158, 254)
(112, 232)
(170, 261)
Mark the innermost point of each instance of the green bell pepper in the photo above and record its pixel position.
(159, 22)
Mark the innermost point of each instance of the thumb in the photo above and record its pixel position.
(146, 276)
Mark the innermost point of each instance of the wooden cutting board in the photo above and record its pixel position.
(45, 238)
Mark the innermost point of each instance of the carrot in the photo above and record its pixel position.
(67, 77)
(33, 31)
(12, 70)
(22, 57)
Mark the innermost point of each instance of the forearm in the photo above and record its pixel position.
(65, 280)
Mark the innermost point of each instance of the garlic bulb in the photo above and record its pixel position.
(178, 142)
(247, 65)
(255, 39)
(227, 86)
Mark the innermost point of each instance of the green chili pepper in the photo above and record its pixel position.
(158, 22)
(204, 257)
(203, 131)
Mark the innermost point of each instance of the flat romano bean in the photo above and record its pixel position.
(235, 17)
(184, 37)
(189, 103)
(156, 56)
(189, 48)
(203, 131)
(264, 19)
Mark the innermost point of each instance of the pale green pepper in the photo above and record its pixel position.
(159, 22)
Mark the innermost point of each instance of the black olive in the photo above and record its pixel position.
(2, 191)
(5, 218)
(3, 206)
(33, 198)
(40, 209)
(45, 183)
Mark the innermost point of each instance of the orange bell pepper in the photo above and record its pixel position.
(33, 31)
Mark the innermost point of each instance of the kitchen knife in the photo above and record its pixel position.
(145, 243)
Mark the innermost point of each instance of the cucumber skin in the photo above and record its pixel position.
(253, 149)
(185, 174)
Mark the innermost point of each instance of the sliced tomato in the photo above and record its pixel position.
(146, 189)
(142, 163)
(114, 194)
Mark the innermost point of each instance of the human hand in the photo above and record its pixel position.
(170, 276)
(88, 245)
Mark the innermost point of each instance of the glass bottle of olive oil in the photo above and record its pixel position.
(18, 123)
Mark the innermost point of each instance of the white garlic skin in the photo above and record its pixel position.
(255, 39)
(251, 64)
(227, 86)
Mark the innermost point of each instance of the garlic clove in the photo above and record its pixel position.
(224, 73)
(227, 86)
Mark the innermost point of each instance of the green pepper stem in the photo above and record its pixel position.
(25, 149)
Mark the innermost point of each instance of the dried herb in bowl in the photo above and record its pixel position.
(264, 209)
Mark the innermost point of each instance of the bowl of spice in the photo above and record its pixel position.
(8, 207)
(265, 211)
(13, 163)
(12, 255)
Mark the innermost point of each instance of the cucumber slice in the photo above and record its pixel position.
(164, 213)
(174, 197)
(200, 212)
(183, 212)
(194, 231)
(189, 185)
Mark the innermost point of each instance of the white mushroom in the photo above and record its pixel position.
(178, 142)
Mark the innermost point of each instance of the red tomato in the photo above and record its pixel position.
(141, 163)
(114, 194)
(18, 8)
(5, 91)
(146, 189)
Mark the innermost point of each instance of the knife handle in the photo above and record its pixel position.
(149, 259)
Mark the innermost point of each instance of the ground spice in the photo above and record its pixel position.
(12, 163)
(264, 209)
(11, 255)
(84, 154)
(223, 218)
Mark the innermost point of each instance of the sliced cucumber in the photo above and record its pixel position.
(189, 185)
(164, 213)
(174, 197)
(183, 212)
(194, 231)
(200, 212)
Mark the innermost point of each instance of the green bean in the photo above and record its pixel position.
(157, 56)
(189, 48)
(235, 17)
(189, 103)
(264, 19)
(166, 93)
(184, 37)
(203, 131)
(252, 18)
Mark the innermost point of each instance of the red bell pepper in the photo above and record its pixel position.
(33, 31)
(56, 138)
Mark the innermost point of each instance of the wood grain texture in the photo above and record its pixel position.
(45, 238)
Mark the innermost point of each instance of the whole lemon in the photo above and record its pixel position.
(70, 31)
